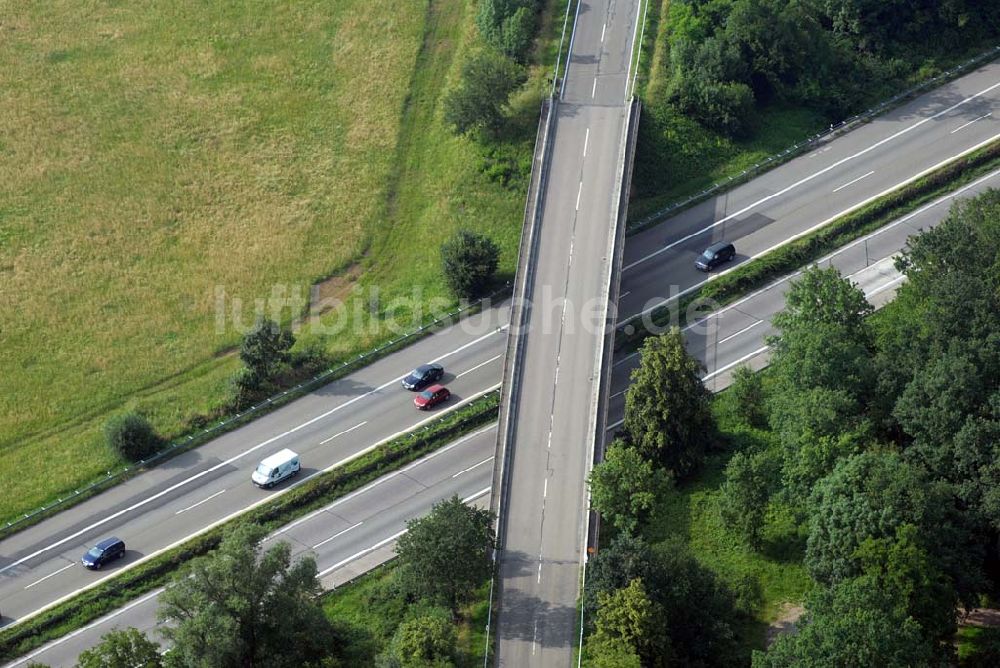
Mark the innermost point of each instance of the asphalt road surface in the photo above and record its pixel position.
(336, 536)
(546, 501)
(169, 503)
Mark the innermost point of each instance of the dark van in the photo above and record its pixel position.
(716, 254)
(107, 550)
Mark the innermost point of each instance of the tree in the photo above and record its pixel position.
(751, 478)
(624, 486)
(629, 616)
(265, 348)
(749, 398)
(447, 553)
(469, 262)
(424, 641)
(507, 25)
(242, 605)
(870, 496)
(128, 648)
(477, 104)
(668, 415)
(610, 653)
(852, 624)
(131, 437)
(627, 558)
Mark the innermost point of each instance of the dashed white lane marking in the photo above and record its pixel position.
(586, 142)
(195, 505)
(732, 364)
(625, 294)
(488, 459)
(810, 177)
(742, 331)
(534, 639)
(232, 459)
(579, 191)
(539, 572)
(962, 127)
(50, 575)
(851, 183)
(593, 91)
(346, 431)
(478, 366)
(603, 28)
(545, 488)
(337, 535)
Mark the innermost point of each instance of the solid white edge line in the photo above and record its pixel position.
(797, 235)
(247, 509)
(586, 142)
(58, 641)
(742, 331)
(812, 176)
(732, 364)
(474, 466)
(198, 475)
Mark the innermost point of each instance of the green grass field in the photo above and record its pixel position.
(155, 152)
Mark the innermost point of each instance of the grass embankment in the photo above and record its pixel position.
(677, 157)
(793, 256)
(308, 496)
(368, 611)
(155, 153)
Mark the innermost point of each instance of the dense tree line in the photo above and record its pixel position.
(727, 57)
(887, 449)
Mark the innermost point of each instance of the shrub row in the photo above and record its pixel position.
(793, 256)
(322, 489)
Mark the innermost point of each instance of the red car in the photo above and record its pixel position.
(432, 396)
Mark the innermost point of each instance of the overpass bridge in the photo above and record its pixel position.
(557, 367)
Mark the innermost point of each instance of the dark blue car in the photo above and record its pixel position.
(422, 376)
(107, 550)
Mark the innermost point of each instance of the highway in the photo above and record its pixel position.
(544, 506)
(357, 532)
(169, 503)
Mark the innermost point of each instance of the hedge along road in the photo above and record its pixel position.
(165, 505)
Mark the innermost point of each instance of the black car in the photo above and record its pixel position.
(422, 376)
(107, 550)
(716, 254)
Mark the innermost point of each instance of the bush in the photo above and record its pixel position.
(469, 261)
(477, 104)
(132, 437)
(265, 348)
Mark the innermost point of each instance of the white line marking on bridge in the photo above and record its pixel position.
(50, 575)
(603, 28)
(492, 359)
(593, 91)
(539, 572)
(586, 142)
(195, 505)
(472, 467)
(337, 535)
(578, 193)
(545, 488)
(346, 431)
(962, 127)
(851, 183)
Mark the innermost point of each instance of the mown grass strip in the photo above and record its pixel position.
(793, 256)
(308, 496)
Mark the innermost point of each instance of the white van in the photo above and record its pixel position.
(276, 468)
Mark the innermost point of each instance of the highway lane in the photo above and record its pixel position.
(337, 536)
(807, 191)
(544, 520)
(356, 411)
(354, 525)
(169, 503)
(736, 334)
